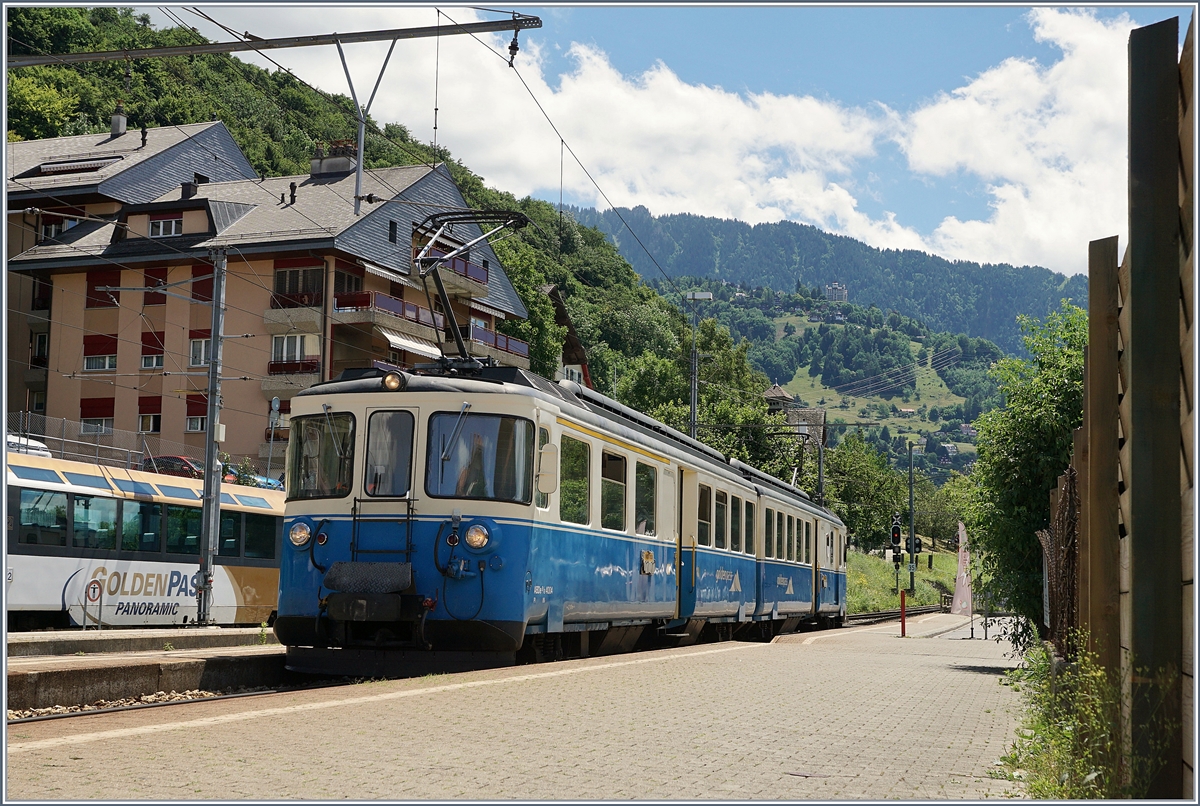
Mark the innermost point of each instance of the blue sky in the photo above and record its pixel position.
(990, 134)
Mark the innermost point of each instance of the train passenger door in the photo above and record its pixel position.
(685, 546)
(816, 567)
(381, 519)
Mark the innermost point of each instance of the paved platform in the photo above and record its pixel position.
(71, 642)
(856, 713)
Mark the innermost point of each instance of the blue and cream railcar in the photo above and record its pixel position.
(96, 545)
(502, 512)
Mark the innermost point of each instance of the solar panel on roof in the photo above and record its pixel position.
(34, 473)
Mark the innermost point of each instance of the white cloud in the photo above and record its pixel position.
(1047, 141)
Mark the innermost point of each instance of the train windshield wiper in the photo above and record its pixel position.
(458, 424)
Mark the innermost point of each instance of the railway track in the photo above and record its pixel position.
(66, 712)
(887, 615)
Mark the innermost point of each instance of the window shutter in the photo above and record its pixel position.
(101, 299)
(152, 344)
(92, 407)
(155, 277)
(202, 290)
(150, 405)
(99, 345)
(197, 405)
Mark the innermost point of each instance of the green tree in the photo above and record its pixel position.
(864, 490)
(1023, 448)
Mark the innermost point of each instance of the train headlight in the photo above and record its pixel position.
(477, 536)
(393, 381)
(299, 534)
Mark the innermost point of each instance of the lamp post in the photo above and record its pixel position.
(694, 297)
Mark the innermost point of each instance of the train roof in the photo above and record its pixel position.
(514, 380)
(27, 470)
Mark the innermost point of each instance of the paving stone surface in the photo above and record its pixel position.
(856, 713)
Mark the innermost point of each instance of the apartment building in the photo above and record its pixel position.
(311, 289)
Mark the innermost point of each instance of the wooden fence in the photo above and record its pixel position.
(1130, 558)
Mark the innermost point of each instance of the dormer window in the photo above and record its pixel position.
(166, 225)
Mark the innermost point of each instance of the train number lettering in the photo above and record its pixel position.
(547, 589)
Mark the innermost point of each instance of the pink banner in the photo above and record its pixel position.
(963, 603)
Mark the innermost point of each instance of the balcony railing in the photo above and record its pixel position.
(39, 362)
(303, 366)
(377, 300)
(460, 266)
(307, 299)
(498, 340)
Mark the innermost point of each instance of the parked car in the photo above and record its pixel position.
(194, 469)
(26, 445)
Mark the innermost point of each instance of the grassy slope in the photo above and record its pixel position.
(871, 581)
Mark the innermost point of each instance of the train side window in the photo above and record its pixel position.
(735, 524)
(807, 538)
(260, 536)
(749, 527)
(183, 529)
(230, 544)
(645, 496)
(541, 500)
(574, 471)
(722, 512)
(43, 518)
(95, 522)
(769, 535)
(389, 453)
(779, 535)
(612, 491)
(791, 537)
(141, 526)
(704, 516)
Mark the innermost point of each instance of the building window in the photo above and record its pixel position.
(96, 425)
(287, 348)
(195, 424)
(298, 281)
(482, 324)
(149, 423)
(152, 361)
(95, 362)
(166, 227)
(392, 231)
(37, 402)
(41, 345)
(200, 352)
(345, 283)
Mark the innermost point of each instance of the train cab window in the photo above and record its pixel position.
(807, 538)
(541, 500)
(749, 541)
(480, 456)
(43, 518)
(95, 521)
(612, 491)
(575, 464)
(183, 529)
(645, 489)
(141, 526)
(769, 539)
(320, 456)
(704, 516)
(791, 532)
(721, 518)
(735, 524)
(230, 543)
(260, 536)
(389, 453)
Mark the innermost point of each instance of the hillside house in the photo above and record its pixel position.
(311, 289)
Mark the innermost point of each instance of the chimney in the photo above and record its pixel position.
(143, 135)
(189, 190)
(292, 195)
(341, 158)
(118, 120)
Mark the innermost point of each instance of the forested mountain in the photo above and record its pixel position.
(953, 296)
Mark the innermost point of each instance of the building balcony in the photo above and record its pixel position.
(286, 385)
(498, 341)
(377, 308)
(35, 379)
(303, 366)
(461, 276)
(307, 299)
(280, 321)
